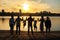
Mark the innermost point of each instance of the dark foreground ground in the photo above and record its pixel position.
(5, 35)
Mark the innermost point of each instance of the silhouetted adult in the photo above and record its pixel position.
(35, 26)
(11, 24)
(17, 21)
(42, 24)
(48, 24)
(30, 24)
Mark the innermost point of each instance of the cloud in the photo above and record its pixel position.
(34, 5)
(37, 7)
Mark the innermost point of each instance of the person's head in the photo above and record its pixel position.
(26, 17)
(42, 17)
(18, 16)
(29, 16)
(12, 16)
(47, 18)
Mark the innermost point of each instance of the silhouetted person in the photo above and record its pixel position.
(35, 26)
(11, 24)
(48, 24)
(24, 23)
(17, 21)
(41, 24)
(30, 24)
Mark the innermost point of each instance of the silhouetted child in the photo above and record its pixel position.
(24, 23)
(11, 24)
(48, 24)
(35, 27)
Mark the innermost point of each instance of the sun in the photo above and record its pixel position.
(25, 6)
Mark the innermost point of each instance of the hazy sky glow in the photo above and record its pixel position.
(34, 5)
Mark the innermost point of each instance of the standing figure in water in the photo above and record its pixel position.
(30, 24)
(11, 24)
(48, 24)
(18, 25)
(42, 24)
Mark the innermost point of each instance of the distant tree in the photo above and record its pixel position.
(45, 12)
(3, 11)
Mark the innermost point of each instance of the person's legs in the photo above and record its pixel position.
(42, 29)
(10, 30)
(19, 30)
(49, 29)
(36, 28)
(46, 29)
(31, 30)
(28, 29)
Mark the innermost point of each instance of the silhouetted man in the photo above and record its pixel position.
(11, 24)
(41, 24)
(18, 25)
(30, 24)
(35, 27)
(48, 24)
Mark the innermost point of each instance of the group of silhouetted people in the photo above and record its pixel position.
(47, 24)
(30, 20)
(12, 23)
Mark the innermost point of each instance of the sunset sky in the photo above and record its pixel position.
(30, 5)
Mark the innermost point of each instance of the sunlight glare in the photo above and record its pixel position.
(25, 6)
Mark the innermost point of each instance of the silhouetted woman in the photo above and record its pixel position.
(41, 24)
(11, 24)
